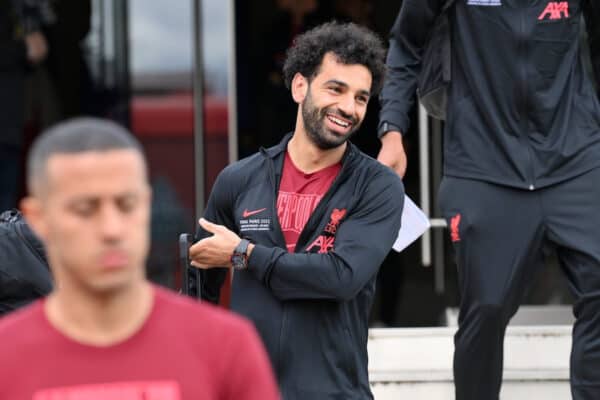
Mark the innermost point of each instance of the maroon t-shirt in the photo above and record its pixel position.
(299, 195)
(184, 351)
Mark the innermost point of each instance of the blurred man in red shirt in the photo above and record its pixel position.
(105, 331)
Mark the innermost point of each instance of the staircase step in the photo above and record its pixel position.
(417, 362)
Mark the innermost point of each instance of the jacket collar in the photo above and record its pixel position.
(274, 151)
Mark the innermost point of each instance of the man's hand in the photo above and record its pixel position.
(214, 251)
(392, 152)
(37, 47)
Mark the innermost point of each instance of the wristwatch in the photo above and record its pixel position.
(239, 258)
(385, 127)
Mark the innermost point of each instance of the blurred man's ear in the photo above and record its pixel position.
(299, 88)
(33, 212)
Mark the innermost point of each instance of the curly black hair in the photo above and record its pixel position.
(351, 44)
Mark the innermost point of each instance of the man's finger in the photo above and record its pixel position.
(208, 226)
(198, 265)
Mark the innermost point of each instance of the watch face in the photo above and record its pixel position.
(238, 261)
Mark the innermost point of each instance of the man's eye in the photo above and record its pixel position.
(83, 210)
(127, 204)
(335, 89)
(362, 99)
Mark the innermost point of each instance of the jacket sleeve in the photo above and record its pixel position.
(591, 12)
(362, 242)
(407, 39)
(219, 211)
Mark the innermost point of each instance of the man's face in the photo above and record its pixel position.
(335, 103)
(93, 215)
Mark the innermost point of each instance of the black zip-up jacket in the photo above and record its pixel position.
(522, 111)
(310, 307)
(24, 273)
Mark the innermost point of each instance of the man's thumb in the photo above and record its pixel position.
(208, 226)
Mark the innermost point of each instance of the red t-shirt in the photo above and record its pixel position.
(184, 351)
(299, 195)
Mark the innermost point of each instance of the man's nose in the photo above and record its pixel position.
(112, 222)
(347, 106)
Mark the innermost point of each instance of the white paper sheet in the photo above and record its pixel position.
(414, 224)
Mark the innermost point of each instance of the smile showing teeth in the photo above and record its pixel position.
(338, 121)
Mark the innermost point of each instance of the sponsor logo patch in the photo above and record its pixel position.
(555, 10)
(324, 243)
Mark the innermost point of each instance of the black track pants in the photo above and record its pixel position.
(498, 233)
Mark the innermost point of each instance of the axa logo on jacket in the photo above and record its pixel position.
(555, 10)
(324, 243)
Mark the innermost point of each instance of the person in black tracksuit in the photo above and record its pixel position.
(521, 158)
(310, 305)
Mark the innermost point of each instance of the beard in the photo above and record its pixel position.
(314, 124)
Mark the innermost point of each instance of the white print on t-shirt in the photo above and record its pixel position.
(157, 390)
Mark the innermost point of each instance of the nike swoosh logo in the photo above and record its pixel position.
(247, 213)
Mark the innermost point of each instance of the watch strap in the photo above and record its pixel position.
(239, 258)
(385, 127)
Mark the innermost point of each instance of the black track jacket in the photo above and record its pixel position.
(522, 111)
(310, 307)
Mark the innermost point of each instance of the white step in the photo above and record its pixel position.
(416, 363)
(529, 315)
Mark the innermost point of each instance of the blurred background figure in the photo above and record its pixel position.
(61, 86)
(22, 47)
(66, 65)
(43, 77)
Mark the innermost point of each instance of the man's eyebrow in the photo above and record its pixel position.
(78, 201)
(344, 84)
(336, 82)
(97, 198)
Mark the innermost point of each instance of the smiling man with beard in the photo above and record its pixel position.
(306, 223)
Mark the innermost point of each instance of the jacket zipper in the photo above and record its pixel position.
(309, 224)
(525, 97)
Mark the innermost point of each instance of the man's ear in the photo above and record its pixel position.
(299, 87)
(33, 212)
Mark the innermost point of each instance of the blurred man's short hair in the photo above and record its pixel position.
(74, 136)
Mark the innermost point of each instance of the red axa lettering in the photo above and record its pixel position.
(555, 10)
(454, 224)
(325, 243)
